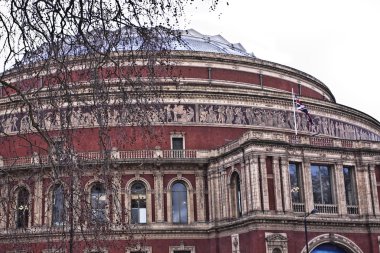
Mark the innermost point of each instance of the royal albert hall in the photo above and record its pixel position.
(229, 174)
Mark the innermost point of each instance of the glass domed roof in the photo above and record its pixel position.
(194, 41)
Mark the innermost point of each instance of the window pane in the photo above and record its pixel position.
(22, 208)
(58, 206)
(295, 182)
(179, 203)
(349, 185)
(138, 203)
(326, 184)
(321, 181)
(134, 215)
(315, 178)
(142, 215)
(138, 188)
(98, 203)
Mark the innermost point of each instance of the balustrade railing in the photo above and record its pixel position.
(177, 154)
(137, 154)
(324, 142)
(299, 207)
(326, 208)
(352, 209)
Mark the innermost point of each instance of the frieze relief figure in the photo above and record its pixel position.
(215, 114)
(183, 113)
(25, 124)
(13, 123)
(6, 124)
(239, 117)
(230, 115)
(249, 115)
(221, 114)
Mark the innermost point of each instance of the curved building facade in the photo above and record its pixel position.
(228, 174)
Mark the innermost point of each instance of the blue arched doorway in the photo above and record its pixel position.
(328, 248)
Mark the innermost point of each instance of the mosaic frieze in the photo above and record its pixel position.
(189, 113)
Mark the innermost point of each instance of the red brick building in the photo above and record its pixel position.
(227, 175)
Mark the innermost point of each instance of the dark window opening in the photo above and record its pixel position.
(177, 143)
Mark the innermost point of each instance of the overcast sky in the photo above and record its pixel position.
(336, 41)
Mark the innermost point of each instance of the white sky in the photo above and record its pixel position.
(336, 41)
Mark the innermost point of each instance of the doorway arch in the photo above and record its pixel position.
(339, 241)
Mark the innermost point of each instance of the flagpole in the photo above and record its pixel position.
(294, 112)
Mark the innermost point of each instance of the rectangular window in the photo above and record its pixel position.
(349, 185)
(296, 182)
(177, 143)
(321, 178)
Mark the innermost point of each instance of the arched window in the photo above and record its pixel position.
(328, 248)
(179, 203)
(58, 209)
(236, 195)
(276, 250)
(22, 217)
(98, 203)
(138, 203)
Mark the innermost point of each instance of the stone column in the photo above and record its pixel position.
(159, 195)
(340, 189)
(255, 183)
(264, 183)
(307, 186)
(200, 196)
(277, 184)
(286, 184)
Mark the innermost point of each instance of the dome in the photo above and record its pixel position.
(194, 41)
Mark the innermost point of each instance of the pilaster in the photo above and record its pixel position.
(200, 196)
(224, 193)
(340, 189)
(255, 183)
(308, 187)
(277, 184)
(364, 192)
(117, 195)
(284, 166)
(375, 199)
(248, 184)
(3, 202)
(38, 201)
(264, 183)
(159, 195)
(243, 187)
